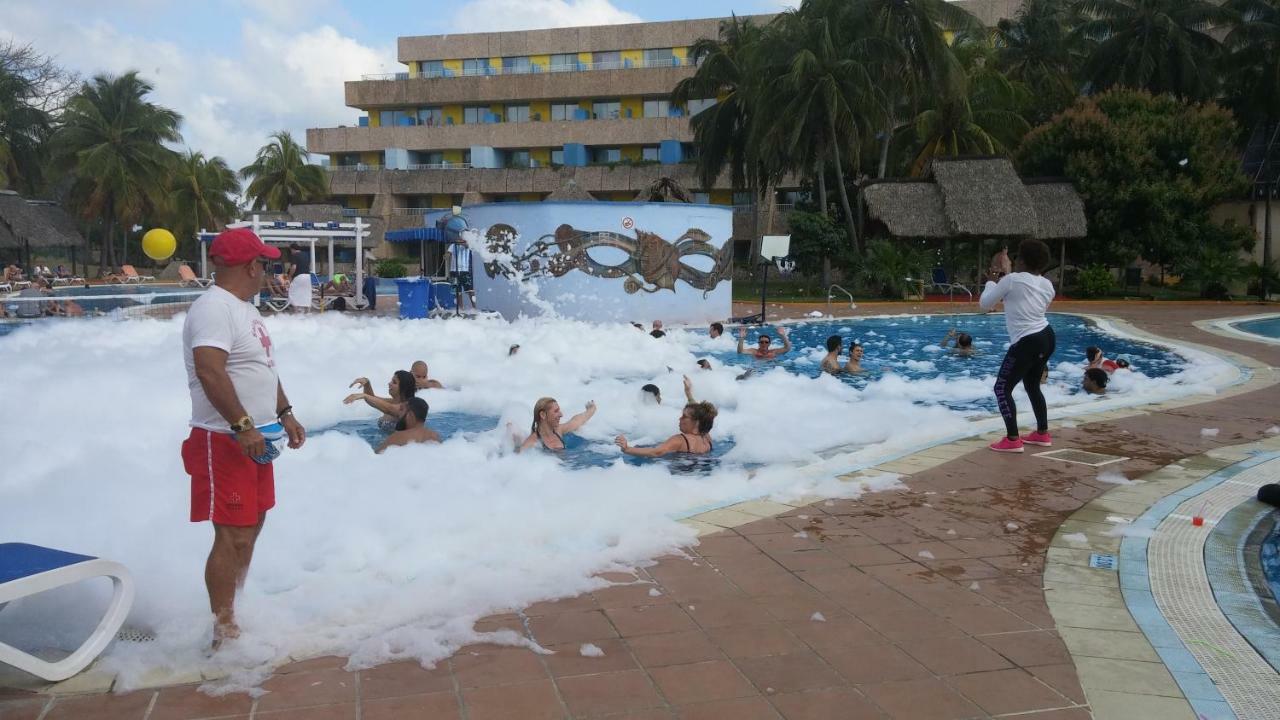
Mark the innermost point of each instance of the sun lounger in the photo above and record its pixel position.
(129, 275)
(188, 278)
(30, 569)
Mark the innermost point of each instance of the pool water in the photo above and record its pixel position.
(908, 346)
(1270, 561)
(578, 452)
(1267, 327)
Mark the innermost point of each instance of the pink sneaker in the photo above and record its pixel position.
(1005, 445)
(1038, 438)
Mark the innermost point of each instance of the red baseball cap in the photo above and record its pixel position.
(238, 246)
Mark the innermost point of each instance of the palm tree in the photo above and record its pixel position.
(1252, 65)
(983, 120)
(201, 194)
(1162, 46)
(280, 176)
(110, 142)
(726, 71)
(922, 63)
(824, 99)
(666, 189)
(23, 131)
(1037, 48)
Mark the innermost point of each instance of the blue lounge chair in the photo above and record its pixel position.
(941, 282)
(30, 569)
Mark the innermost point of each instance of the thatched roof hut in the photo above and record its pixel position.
(32, 225)
(980, 198)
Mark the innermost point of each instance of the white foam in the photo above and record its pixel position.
(1076, 537)
(590, 650)
(818, 617)
(1114, 477)
(1208, 432)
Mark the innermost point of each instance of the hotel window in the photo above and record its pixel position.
(702, 198)
(563, 111)
(474, 114)
(466, 160)
(515, 65)
(557, 157)
(432, 116)
(656, 108)
(606, 109)
(475, 66)
(607, 60)
(743, 198)
(431, 158)
(661, 57)
(518, 158)
(517, 113)
(649, 152)
(564, 61)
(389, 118)
(606, 155)
(697, 105)
(431, 68)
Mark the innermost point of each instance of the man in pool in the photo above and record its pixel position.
(412, 428)
(649, 391)
(1095, 381)
(855, 359)
(419, 370)
(963, 343)
(237, 400)
(831, 363)
(763, 349)
(704, 363)
(716, 330)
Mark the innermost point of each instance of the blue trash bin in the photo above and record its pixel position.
(413, 298)
(442, 295)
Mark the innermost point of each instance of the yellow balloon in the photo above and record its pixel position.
(159, 244)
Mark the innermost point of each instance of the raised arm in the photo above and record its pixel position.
(994, 292)
(688, 389)
(951, 335)
(668, 446)
(742, 338)
(386, 405)
(786, 341)
(580, 419)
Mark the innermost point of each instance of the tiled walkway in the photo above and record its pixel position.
(924, 603)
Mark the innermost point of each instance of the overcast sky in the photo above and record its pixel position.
(238, 70)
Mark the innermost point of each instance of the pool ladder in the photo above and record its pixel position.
(831, 295)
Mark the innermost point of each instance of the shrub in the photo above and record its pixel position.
(1095, 281)
(890, 263)
(390, 268)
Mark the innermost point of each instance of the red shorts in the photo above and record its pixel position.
(226, 486)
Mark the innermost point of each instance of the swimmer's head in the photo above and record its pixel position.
(513, 350)
(716, 330)
(834, 343)
(1095, 381)
(1122, 364)
(764, 341)
(414, 415)
(698, 417)
(855, 351)
(403, 385)
(547, 411)
(651, 391)
(657, 324)
(964, 340)
(705, 364)
(1092, 352)
(1033, 256)
(419, 370)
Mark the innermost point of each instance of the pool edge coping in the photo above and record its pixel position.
(1225, 327)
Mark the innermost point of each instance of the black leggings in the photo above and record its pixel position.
(1024, 363)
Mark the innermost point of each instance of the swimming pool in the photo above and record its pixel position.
(26, 306)
(1266, 327)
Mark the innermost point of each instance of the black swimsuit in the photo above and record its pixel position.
(689, 448)
(558, 436)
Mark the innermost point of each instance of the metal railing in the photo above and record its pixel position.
(415, 210)
(535, 68)
(440, 166)
(831, 296)
(358, 167)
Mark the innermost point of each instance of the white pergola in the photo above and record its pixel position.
(286, 233)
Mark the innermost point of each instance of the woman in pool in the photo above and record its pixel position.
(694, 437)
(402, 387)
(546, 428)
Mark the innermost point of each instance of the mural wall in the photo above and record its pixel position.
(603, 261)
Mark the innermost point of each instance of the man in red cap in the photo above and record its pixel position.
(238, 410)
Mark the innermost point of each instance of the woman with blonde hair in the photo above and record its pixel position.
(546, 427)
(694, 437)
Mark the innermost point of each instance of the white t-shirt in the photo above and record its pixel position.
(222, 320)
(459, 258)
(1026, 298)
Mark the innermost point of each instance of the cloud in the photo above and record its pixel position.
(231, 97)
(497, 15)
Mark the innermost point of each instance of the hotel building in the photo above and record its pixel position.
(531, 115)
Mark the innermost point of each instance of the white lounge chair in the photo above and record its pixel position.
(31, 569)
(188, 278)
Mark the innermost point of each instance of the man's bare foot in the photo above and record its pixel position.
(223, 631)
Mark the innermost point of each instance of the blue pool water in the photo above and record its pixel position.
(908, 346)
(577, 451)
(1267, 327)
(1270, 560)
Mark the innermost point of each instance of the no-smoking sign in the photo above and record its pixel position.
(628, 223)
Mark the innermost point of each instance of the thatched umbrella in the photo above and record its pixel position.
(570, 192)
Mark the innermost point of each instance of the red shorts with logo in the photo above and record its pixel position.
(226, 486)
